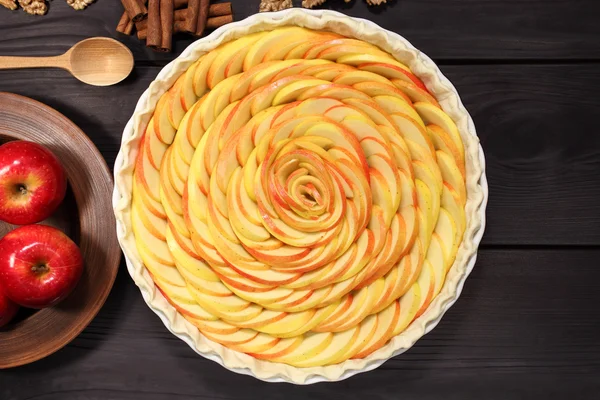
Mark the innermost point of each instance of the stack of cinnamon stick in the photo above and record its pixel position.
(157, 20)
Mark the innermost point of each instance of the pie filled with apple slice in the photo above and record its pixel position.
(299, 196)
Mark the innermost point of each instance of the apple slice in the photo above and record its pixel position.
(290, 323)
(156, 226)
(264, 318)
(366, 58)
(155, 149)
(391, 71)
(216, 327)
(258, 344)
(438, 258)
(161, 271)
(315, 300)
(210, 288)
(151, 205)
(146, 175)
(433, 114)
(409, 269)
(415, 93)
(413, 131)
(234, 339)
(451, 175)
(386, 321)
(259, 44)
(390, 282)
(353, 77)
(327, 72)
(179, 170)
(291, 91)
(409, 305)
(282, 348)
(450, 202)
(309, 41)
(174, 292)
(220, 306)
(264, 298)
(334, 91)
(170, 199)
(341, 343)
(155, 248)
(175, 110)
(335, 48)
(312, 345)
(446, 230)
(230, 59)
(367, 330)
(393, 105)
(191, 312)
(187, 96)
(427, 284)
(269, 72)
(442, 141)
(381, 89)
(192, 265)
(161, 123)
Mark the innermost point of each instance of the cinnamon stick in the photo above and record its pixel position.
(178, 26)
(178, 15)
(219, 9)
(166, 22)
(192, 17)
(135, 9)
(154, 24)
(217, 22)
(202, 17)
(125, 24)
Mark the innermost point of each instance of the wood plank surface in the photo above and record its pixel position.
(525, 327)
(535, 123)
(447, 30)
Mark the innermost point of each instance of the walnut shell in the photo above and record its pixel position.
(275, 5)
(34, 7)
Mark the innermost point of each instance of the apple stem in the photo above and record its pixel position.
(23, 189)
(39, 269)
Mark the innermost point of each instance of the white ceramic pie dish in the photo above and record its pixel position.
(437, 84)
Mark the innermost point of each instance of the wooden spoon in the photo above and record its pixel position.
(97, 61)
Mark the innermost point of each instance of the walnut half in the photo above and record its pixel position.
(275, 5)
(34, 7)
(312, 3)
(375, 2)
(10, 4)
(79, 4)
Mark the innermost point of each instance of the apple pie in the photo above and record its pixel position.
(299, 196)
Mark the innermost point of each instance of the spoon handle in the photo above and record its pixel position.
(9, 62)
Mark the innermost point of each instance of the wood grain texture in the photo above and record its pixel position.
(444, 29)
(537, 124)
(90, 224)
(524, 328)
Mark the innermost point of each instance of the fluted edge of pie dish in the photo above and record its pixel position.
(476, 183)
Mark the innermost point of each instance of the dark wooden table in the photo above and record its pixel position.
(527, 325)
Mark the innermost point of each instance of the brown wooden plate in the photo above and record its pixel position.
(86, 216)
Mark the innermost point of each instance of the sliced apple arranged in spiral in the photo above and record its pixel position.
(299, 196)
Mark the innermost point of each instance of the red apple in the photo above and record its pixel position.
(8, 309)
(39, 265)
(32, 183)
